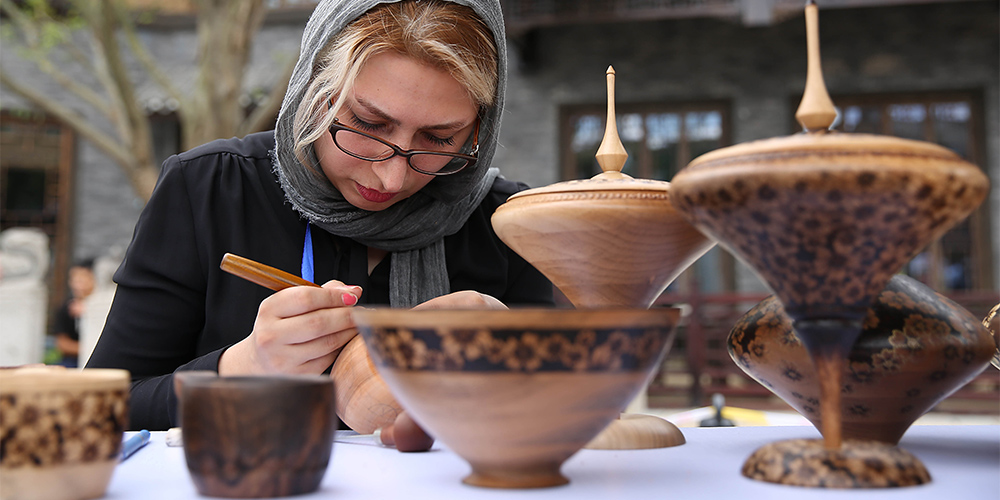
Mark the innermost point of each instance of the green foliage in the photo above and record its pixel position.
(41, 25)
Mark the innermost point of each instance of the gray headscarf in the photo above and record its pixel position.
(412, 229)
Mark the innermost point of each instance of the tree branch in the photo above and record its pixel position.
(145, 58)
(105, 142)
(85, 93)
(262, 116)
(39, 54)
(28, 29)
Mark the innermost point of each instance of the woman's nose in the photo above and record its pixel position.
(392, 173)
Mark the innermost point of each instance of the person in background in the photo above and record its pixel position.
(376, 183)
(67, 319)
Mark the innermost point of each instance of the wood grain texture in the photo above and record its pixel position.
(992, 323)
(619, 248)
(826, 219)
(637, 432)
(611, 154)
(261, 274)
(364, 401)
(857, 464)
(62, 431)
(514, 429)
(915, 349)
(816, 111)
(516, 392)
(252, 437)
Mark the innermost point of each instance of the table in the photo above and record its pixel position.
(964, 462)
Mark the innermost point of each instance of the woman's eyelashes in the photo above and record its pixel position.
(441, 142)
(363, 125)
(375, 128)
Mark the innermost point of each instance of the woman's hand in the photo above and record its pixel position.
(465, 299)
(298, 330)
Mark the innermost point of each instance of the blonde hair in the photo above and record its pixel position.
(447, 36)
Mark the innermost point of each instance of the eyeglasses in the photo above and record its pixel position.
(367, 147)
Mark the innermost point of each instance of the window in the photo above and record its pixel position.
(165, 129)
(30, 174)
(962, 258)
(36, 186)
(660, 139)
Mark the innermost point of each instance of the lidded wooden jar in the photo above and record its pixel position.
(607, 241)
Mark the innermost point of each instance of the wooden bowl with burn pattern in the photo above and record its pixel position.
(917, 347)
(516, 392)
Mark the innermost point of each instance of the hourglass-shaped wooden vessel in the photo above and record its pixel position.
(992, 323)
(608, 241)
(826, 218)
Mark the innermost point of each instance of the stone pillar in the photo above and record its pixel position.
(24, 261)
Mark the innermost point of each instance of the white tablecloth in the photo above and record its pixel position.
(963, 460)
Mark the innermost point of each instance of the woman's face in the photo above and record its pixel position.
(409, 104)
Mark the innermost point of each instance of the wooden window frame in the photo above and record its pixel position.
(981, 270)
(60, 244)
(568, 113)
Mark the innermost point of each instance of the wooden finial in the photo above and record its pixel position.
(611, 155)
(816, 111)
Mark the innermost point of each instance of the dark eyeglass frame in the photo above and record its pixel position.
(470, 158)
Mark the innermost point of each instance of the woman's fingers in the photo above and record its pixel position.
(304, 328)
(297, 330)
(299, 300)
(312, 356)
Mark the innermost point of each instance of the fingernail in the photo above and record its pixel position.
(357, 290)
(349, 299)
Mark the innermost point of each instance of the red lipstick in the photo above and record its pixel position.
(373, 195)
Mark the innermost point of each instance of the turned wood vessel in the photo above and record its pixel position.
(62, 431)
(256, 436)
(826, 218)
(992, 323)
(364, 401)
(516, 392)
(608, 241)
(916, 348)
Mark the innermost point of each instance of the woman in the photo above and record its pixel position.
(337, 193)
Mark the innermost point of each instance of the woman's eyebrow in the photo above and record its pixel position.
(371, 108)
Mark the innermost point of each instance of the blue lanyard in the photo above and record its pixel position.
(307, 255)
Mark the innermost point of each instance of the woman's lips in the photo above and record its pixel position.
(373, 195)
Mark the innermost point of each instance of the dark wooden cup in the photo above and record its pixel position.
(260, 436)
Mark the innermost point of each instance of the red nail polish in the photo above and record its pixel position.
(349, 300)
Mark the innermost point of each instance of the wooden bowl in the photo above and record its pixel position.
(256, 436)
(516, 392)
(916, 348)
(62, 431)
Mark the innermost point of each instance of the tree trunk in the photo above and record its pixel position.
(225, 32)
(225, 35)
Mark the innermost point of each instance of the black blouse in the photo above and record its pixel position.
(175, 309)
